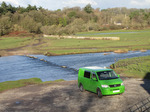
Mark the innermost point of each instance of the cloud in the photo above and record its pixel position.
(60, 4)
(14, 2)
(79, 2)
(140, 3)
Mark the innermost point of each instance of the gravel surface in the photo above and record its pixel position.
(66, 97)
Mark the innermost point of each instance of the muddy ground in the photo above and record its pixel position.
(66, 97)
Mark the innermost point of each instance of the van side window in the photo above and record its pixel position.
(94, 75)
(87, 74)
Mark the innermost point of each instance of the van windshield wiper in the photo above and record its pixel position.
(109, 78)
(114, 77)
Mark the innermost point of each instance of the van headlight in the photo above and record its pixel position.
(104, 86)
(122, 84)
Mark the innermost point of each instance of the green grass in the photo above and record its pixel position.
(128, 41)
(23, 82)
(134, 67)
(13, 42)
(59, 80)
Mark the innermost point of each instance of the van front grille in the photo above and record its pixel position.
(115, 85)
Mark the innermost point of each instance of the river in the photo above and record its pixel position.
(50, 68)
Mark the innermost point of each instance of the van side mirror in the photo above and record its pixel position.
(94, 79)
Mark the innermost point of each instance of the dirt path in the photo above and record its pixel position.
(66, 97)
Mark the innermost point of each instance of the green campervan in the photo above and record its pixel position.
(99, 80)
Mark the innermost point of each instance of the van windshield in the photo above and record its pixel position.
(107, 75)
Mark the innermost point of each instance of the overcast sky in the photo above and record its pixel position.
(60, 4)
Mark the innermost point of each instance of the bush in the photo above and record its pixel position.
(30, 25)
(92, 26)
(76, 26)
(5, 25)
(116, 27)
(49, 30)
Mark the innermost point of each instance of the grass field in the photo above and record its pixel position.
(23, 82)
(129, 40)
(134, 67)
(13, 42)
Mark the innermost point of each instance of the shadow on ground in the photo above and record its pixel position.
(59, 100)
(146, 84)
(66, 97)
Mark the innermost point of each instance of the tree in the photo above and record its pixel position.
(30, 25)
(5, 26)
(29, 8)
(4, 7)
(137, 19)
(21, 9)
(147, 17)
(88, 8)
(92, 26)
(72, 14)
(1, 11)
(11, 9)
(76, 26)
(49, 30)
(36, 15)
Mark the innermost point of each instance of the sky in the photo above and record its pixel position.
(60, 4)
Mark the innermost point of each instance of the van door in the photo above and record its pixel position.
(93, 82)
(87, 79)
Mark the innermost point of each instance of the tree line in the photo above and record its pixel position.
(68, 21)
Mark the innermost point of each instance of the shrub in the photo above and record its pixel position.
(49, 30)
(30, 25)
(5, 25)
(92, 26)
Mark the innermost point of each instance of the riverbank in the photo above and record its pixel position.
(4, 86)
(26, 52)
(65, 96)
(138, 40)
(133, 67)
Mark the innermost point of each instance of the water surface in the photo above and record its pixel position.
(105, 33)
(108, 33)
(23, 67)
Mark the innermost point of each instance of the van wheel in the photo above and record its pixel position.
(99, 93)
(81, 88)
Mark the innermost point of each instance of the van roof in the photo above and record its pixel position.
(95, 68)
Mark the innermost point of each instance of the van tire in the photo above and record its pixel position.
(81, 88)
(99, 93)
